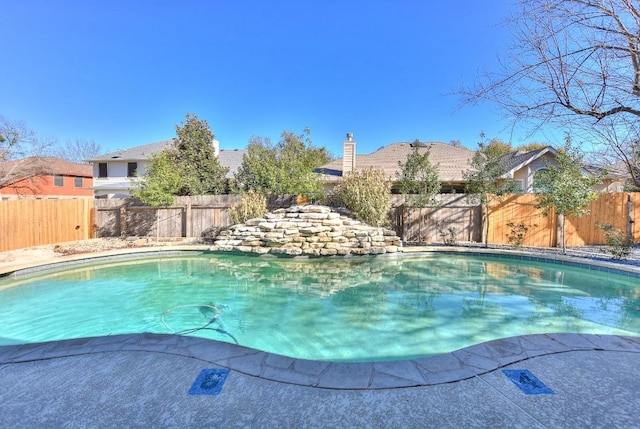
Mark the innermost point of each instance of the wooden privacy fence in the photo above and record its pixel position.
(198, 216)
(463, 219)
(25, 223)
(32, 222)
(622, 210)
(455, 217)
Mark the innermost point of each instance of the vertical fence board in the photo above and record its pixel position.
(635, 215)
(608, 208)
(521, 210)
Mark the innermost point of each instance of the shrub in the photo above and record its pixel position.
(518, 233)
(252, 205)
(619, 245)
(367, 194)
(448, 234)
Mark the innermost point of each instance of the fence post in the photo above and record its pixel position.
(188, 222)
(92, 214)
(559, 239)
(630, 219)
(123, 222)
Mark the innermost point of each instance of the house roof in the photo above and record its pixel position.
(230, 158)
(138, 153)
(44, 165)
(516, 160)
(618, 170)
(450, 161)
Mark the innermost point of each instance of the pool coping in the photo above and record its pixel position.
(459, 365)
(450, 367)
(612, 266)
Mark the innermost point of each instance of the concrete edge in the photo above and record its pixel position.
(459, 365)
(581, 262)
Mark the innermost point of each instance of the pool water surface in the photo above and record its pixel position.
(351, 309)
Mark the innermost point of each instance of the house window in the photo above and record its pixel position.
(132, 169)
(77, 182)
(58, 180)
(102, 169)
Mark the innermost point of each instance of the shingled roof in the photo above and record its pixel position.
(451, 161)
(138, 153)
(230, 158)
(516, 160)
(44, 165)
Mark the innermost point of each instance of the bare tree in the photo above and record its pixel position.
(574, 63)
(78, 150)
(622, 148)
(19, 148)
(16, 140)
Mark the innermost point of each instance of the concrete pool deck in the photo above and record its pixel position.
(144, 380)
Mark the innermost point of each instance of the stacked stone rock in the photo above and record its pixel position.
(307, 231)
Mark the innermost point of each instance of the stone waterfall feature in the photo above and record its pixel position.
(307, 231)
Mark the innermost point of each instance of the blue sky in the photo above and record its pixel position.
(124, 73)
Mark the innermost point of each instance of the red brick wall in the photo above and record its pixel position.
(43, 186)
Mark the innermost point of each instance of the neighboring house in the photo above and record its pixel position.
(45, 177)
(451, 162)
(113, 172)
(523, 166)
(617, 178)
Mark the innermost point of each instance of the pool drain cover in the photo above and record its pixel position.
(527, 382)
(209, 382)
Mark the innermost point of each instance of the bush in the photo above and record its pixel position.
(367, 194)
(619, 245)
(518, 233)
(448, 234)
(252, 205)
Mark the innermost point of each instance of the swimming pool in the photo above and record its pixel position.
(352, 309)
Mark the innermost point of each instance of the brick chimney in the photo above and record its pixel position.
(348, 154)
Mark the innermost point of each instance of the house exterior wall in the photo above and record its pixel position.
(117, 183)
(526, 174)
(611, 185)
(44, 187)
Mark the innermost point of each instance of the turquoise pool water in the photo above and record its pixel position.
(355, 309)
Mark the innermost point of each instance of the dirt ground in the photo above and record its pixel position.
(52, 252)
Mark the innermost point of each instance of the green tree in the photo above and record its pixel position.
(528, 147)
(190, 167)
(196, 159)
(418, 180)
(161, 182)
(486, 180)
(284, 168)
(497, 147)
(565, 186)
